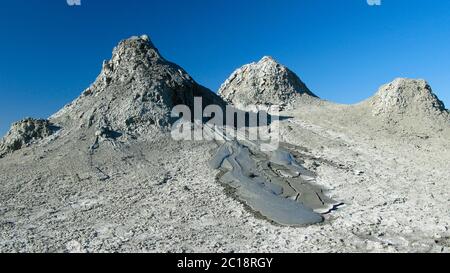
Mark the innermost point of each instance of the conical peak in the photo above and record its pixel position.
(270, 67)
(268, 59)
(264, 82)
(135, 49)
(137, 60)
(403, 92)
(413, 97)
(135, 90)
(403, 85)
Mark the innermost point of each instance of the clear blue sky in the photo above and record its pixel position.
(343, 49)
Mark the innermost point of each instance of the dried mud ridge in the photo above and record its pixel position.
(273, 185)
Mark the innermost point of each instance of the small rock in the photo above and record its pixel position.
(74, 247)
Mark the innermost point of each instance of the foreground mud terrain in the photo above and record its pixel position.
(105, 175)
(161, 195)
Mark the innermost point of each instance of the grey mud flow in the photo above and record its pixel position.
(272, 184)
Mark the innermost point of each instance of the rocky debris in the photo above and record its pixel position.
(263, 83)
(25, 132)
(135, 91)
(102, 134)
(107, 133)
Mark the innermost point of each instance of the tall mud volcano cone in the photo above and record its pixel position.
(136, 90)
(266, 82)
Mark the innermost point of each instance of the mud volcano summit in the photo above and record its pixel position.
(136, 89)
(266, 82)
(105, 175)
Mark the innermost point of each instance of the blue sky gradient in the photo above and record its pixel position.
(342, 49)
